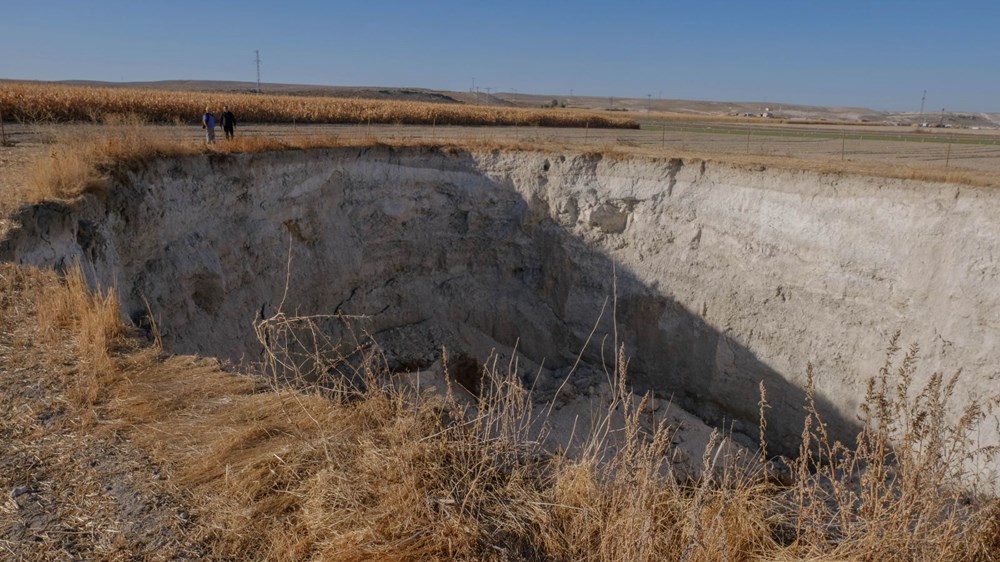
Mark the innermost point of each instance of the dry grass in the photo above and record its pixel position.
(95, 320)
(361, 467)
(673, 116)
(85, 494)
(36, 102)
(825, 166)
(902, 491)
(936, 174)
(82, 159)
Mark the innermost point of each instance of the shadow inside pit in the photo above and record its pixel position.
(673, 352)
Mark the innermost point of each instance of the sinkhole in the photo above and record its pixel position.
(716, 278)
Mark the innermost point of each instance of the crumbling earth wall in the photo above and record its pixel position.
(714, 276)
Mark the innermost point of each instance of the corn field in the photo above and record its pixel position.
(31, 102)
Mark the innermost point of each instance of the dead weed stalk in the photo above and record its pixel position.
(332, 456)
(903, 491)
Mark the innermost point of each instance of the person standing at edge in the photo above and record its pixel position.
(208, 123)
(228, 122)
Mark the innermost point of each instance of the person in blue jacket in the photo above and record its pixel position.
(208, 123)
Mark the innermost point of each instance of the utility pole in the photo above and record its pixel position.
(649, 102)
(257, 60)
(473, 89)
(922, 100)
(515, 96)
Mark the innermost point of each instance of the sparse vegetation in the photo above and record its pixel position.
(36, 102)
(902, 491)
(95, 318)
(78, 160)
(381, 471)
(81, 159)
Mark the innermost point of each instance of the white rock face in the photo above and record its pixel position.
(725, 276)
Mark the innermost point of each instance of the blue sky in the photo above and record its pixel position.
(848, 53)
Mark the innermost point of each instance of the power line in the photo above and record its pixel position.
(257, 60)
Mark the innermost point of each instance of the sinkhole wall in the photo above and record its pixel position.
(714, 276)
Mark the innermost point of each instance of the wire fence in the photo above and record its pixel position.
(911, 147)
(936, 150)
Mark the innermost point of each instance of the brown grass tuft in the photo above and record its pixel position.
(94, 319)
(80, 159)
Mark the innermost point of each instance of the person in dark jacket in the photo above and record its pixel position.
(208, 123)
(228, 122)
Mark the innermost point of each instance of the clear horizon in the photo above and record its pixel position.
(877, 55)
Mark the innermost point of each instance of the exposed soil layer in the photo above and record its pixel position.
(714, 277)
